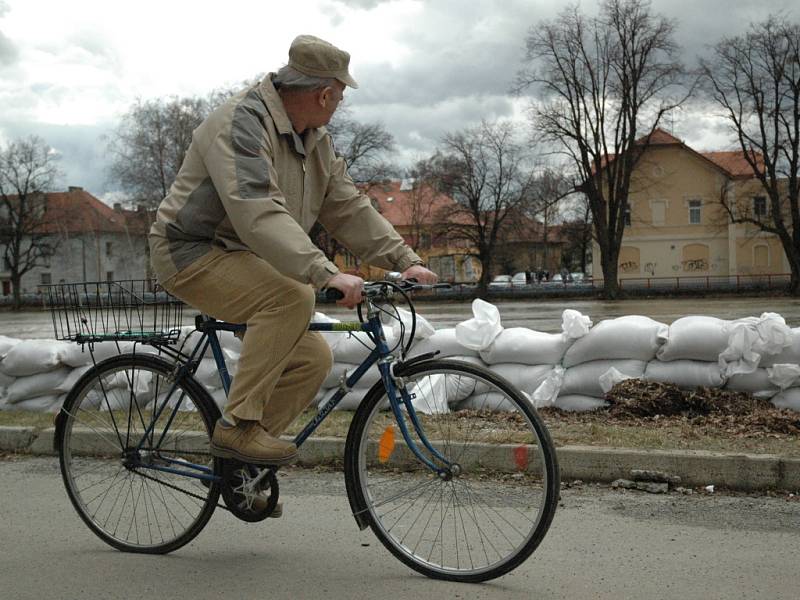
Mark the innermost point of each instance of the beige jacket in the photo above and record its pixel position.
(249, 182)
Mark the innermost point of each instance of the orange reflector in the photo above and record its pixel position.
(521, 457)
(386, 444)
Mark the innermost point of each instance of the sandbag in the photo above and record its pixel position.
(445, 341)
(423, 329)
(78, 355)
(6, 343)
(755, 382)
(523, 377)
(579, 403)
(72, 379)
(790, 354)
(477, 333)
(632, 337)
(30, 357)
(356, 346)
(547, 392)
(788, 399)
(43, 384)
(751, 338)
(686, 374)
(5, 381)
(695, 337)
(784, 375)
(333, 338)
(208, 374)
(493, 401)
(584, 379)
(526, 346)
(48, 403)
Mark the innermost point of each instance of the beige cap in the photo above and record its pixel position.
(313, 56)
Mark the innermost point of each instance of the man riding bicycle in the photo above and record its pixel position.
(231, 239)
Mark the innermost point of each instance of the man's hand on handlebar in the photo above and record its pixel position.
(420, 274)
(350, 285)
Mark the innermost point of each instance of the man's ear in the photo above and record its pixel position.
(325, 96)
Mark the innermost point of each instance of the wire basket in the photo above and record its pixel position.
(133, 310)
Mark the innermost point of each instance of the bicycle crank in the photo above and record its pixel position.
(247, 499)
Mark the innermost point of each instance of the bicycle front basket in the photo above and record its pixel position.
(133, 310)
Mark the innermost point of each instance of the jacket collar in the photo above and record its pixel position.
(282, 123)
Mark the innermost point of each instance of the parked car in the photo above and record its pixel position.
(519, 280)
(501, 282)
(577, 277)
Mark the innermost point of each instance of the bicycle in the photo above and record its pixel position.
(462, 495)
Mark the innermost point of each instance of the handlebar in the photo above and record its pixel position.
(374, 289)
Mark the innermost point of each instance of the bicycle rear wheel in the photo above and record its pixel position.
(138, 497)
(492, 509)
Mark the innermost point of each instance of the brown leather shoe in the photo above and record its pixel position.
(250, 443)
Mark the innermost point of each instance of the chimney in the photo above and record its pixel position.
(117, 207)
(75, 188)
(140, 208)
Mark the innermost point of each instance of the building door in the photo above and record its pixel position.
(6, 287)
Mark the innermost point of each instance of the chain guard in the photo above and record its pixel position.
(235, 475)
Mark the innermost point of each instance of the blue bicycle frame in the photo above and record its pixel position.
(381, 355)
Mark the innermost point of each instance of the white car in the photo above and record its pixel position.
(519, 280)
(501, 282)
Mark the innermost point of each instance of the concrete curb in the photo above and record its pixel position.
(747, 472)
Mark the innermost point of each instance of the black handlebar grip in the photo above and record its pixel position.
(332, 294)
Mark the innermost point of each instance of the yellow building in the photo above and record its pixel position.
(678, 222)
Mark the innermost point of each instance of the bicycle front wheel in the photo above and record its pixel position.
(492, 507)
(130, 438)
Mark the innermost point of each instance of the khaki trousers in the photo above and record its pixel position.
(282, 364)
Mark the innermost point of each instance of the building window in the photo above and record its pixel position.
(109, 275)
(627, 214)
(759, 207)
(46, 279)
(695, 207)
(108, 248)
(761, 255)
(659, 208)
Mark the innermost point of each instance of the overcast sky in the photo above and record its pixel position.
(68, 70)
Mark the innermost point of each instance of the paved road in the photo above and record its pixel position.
(603, 544)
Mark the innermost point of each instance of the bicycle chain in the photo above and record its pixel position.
(176, 488)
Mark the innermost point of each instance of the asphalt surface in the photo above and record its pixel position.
(603, 544)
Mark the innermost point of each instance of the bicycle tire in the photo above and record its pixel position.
(98, 425)
(506, 458)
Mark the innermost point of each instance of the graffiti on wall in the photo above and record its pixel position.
(650, 268)
(696, 264)
(629, 266)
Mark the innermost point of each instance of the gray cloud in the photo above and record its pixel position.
(8, 52)
(83, 160)
(4, 7)
(365, 4)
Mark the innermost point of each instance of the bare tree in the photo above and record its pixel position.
(605, 83)
(576, 231)
(548, 189)
(488, 173)
(150, 143)
(755, 79)
(28, 233)
(365, 147)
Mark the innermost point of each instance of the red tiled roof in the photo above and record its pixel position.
(734, 163)
(397, 206)
(77, 211)
(659, 137)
